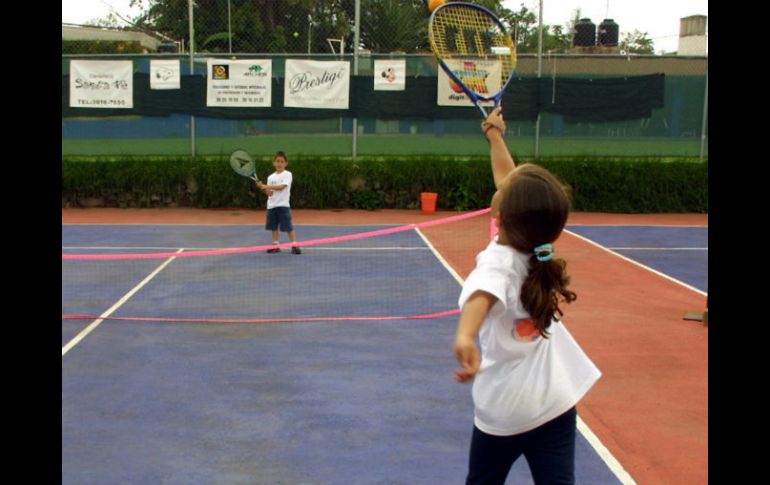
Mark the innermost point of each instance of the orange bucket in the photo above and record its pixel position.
(428, 202)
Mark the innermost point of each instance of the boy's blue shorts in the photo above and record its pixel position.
(279, 217)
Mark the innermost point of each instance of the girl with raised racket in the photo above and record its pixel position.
(528, 371)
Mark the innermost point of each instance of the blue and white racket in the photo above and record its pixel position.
(473, 47)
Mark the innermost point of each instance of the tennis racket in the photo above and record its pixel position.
(473, 47)
(243, 164)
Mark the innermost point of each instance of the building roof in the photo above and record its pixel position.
(91, 33)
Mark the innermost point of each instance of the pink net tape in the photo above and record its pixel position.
(427, 316)
(314, 242)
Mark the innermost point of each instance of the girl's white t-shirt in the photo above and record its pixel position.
(525, 380)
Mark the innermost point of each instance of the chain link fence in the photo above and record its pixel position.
(265, 26)
(389, 29)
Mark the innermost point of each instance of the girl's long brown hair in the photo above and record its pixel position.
(533, 211)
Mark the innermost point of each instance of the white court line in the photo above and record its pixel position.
(114, 307)
(662, 226)
(663, 275)
(384, 248)
(124, 248)
(604, 453)
(658, 249)
(258, 224)
(312, 248)
(612, 463)
(439, 257)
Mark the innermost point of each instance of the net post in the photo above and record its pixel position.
(356, 40)
(705, 113)
(192, 70)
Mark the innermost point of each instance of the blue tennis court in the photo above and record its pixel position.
(322, 402)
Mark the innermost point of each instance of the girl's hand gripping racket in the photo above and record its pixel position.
(474, 49)
(243, 164)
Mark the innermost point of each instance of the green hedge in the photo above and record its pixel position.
(598, 184)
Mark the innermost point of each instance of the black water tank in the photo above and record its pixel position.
(585, 33)
(608, 33)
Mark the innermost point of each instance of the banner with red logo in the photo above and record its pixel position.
(389, 75)
(481, 76)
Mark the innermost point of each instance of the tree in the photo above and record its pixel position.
(168, 17)
(290, 25)
(522, 25)
(637, 43)
(524, 28)
(254, 25)
(272, 26)
(394, 25)
(554, 40)
(111, 21)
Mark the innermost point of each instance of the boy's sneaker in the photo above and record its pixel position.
(295, 250)
(274, 250)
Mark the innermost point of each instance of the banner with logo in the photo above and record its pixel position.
(101, 84)
(239, 83)
(390, 75)
(317, 84)
(480, 75)
(164, 74)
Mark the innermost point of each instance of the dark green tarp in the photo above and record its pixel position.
(578, 99)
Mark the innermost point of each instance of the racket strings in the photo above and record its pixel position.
(468, 41)
(464, 31)
(242, 163)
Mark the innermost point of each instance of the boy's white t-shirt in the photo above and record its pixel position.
(525, 380)
(280, 198)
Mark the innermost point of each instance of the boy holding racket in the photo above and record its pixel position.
(278, 191)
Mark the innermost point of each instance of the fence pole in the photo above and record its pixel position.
(192, 71)
(705, 114)
(229, 29)
(539, 73)
(356, 41)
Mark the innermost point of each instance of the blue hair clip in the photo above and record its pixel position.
(544, 252)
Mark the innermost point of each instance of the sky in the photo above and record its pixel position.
(81, 11)
(658, 18)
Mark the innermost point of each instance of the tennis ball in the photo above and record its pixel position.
(296, 34)
(434, 4)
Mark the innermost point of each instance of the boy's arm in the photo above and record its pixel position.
(502, 161)
(276, 187)
(271, 187)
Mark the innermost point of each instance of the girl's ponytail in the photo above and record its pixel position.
(533, 211)
(545, 285)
